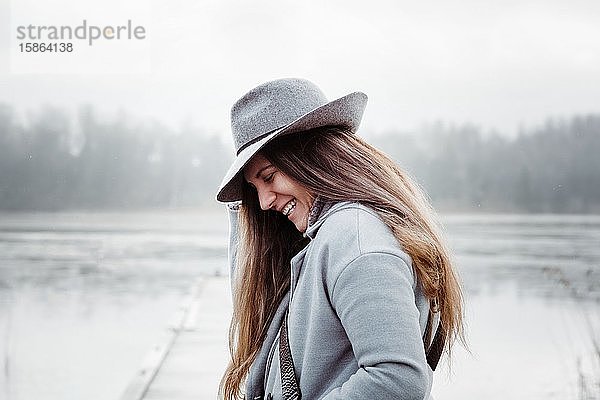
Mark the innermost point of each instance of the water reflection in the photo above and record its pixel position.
(546, 255)
(84, 296)
(60, 254)
(533, 294)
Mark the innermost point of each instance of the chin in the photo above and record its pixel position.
(302, 224)
(302, 227)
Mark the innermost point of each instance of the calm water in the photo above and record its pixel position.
(83, 297)
(533, 308)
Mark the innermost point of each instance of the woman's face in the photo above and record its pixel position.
(278, 192)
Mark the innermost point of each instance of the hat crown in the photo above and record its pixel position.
(271, 106)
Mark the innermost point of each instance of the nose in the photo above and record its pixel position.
(266, 198)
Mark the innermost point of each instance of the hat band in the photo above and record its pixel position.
(256, 139)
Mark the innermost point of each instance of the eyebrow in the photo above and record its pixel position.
(261, 170)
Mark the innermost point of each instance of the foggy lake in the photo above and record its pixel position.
(84, 296)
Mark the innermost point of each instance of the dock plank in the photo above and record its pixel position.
(198, 352)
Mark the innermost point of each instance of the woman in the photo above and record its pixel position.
(343, 287)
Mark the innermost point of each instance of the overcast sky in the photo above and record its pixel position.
(498, 64)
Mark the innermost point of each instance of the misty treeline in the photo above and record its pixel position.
(53, 161)
(553, 168)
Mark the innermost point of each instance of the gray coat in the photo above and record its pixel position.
(357, 315)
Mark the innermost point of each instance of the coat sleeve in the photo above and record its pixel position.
(233, 212)
(374, 298)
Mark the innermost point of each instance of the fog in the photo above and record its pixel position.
(111, 152)
(503, 66)
(57, 163)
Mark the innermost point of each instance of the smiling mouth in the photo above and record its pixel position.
(289, 207)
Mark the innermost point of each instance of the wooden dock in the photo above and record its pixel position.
(188, 362)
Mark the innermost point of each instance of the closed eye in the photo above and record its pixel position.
(269, 177)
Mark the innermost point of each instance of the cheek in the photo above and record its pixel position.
(305, 199)
(285, 187)
(288, 187)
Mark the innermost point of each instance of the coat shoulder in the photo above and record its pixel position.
(353, 230)
(361, 225)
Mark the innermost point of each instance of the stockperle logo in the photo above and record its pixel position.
(84, 32)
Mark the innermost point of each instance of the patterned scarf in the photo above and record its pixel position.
(319, 207)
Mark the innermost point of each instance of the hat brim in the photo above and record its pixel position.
(345, 111)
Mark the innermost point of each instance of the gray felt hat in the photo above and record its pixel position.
(281, 107)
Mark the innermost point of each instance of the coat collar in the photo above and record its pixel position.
(326, 209)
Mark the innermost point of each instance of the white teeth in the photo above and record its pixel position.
(289, 207)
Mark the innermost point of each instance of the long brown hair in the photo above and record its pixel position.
(336, 165)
